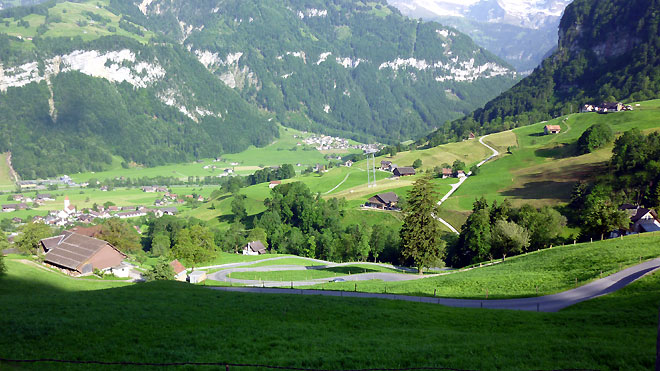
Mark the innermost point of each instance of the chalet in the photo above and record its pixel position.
(200, 199)
(122, 270)
(608, 107)
(104, 188)
(85, 219)
(461, 174)
(148, 189)
(447, 172)
(274, 184)
(113, 208)
(179, 270)
(587, 108)
(644, 220)
(348, 163)
(552, 129)
(17, 220)
(385, 165)
(76, 254)
(472, 136)
(254, 248)
(404, 171)
(18, 197)
(384, 201)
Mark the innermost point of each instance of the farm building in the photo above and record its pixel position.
(385, 165)
(383, 201)
(197, 277)
(447, 173)
(404, 171)
(274, 184)
(179, 270)
(254, 248)
(76, 254)
(552, 129)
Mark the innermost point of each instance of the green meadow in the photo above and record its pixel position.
(311, 274)
(548, 271)
(166, 322)
(70, 19)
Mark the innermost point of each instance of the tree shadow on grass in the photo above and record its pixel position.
(546, 189)
(558, 151)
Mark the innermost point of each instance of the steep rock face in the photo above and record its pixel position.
(340, 67)
(608, 50)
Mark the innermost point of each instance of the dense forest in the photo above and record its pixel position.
(608, 51)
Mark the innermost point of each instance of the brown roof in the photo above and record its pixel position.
(553, 127)
(257, 246)
(388, 198)
(74, 250)
(404, 171)
(447, 171)
(52, 242)
(87, 231)
(177, 266)
(276, 182)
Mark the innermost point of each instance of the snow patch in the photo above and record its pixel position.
(453, 70)
(310, 13)
(143, 6)
(323, 57)
(326, 108)
(349, 62)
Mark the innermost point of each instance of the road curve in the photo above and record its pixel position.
(548, 303)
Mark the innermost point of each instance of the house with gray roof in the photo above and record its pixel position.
(384, 201)
(254, 248)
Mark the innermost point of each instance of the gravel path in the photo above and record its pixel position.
(548, 303)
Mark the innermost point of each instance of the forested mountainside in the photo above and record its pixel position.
(345, 67)
(162, 81)
(608, 51)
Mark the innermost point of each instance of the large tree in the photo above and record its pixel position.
(509, 238)
(420, 233)
(121, 235)
(32, 233)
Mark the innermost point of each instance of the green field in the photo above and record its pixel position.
(543, 168)
(310, 274)
(70, 19)
(175, 322)
(283, 150)
(551, 271)
(6, 182)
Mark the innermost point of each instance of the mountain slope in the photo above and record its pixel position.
(522, 32)
(608, 50)
(344, 67)
(160, 81)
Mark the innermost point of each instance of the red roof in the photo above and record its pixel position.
(276, 182)
(177, 266)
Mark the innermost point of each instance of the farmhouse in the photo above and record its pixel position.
(348, 163)
(645, 220)
(384, 201)
(254, 248)
(274, 184)
(385, 165)
(13, 207)
(610, 107)
(76, 254)
(471, 136)
(447, 172)
(552, 129)
(130, 214)
(179, 270)
(45, 197)
(404, 171)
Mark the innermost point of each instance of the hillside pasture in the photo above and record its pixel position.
(617, 331)
(6, 181)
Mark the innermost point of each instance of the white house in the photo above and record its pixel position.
(197, 277)
(254, 248)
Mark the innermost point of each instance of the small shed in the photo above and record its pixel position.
(274, 184)
(122, 270)
(197, 277)
(179, 270)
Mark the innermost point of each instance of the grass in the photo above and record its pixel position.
(543, 168)
(228, 258)
(552, 270)
(75, 22)
(49, 317)
(6, 182)
(310, 274)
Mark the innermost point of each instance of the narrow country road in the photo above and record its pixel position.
(455, 186)
(548, 303)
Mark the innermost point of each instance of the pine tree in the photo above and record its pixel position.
(420, 234)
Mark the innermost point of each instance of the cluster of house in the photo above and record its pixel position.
(642, 220)
(606, 107)
(64, 180)
(173, 198)
(70, 215)
(25, 202)
(326, 142)
(397, 170)
(449, 173)
(383, 201)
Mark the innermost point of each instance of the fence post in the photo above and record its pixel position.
(657, 348)
(355, 288)
(575, 281)
(434, 293)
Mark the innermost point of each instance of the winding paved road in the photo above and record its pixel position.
(460, 182)
(548, 303)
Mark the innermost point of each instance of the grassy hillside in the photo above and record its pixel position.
(612, 332)
(543, 168)
(6, 181)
